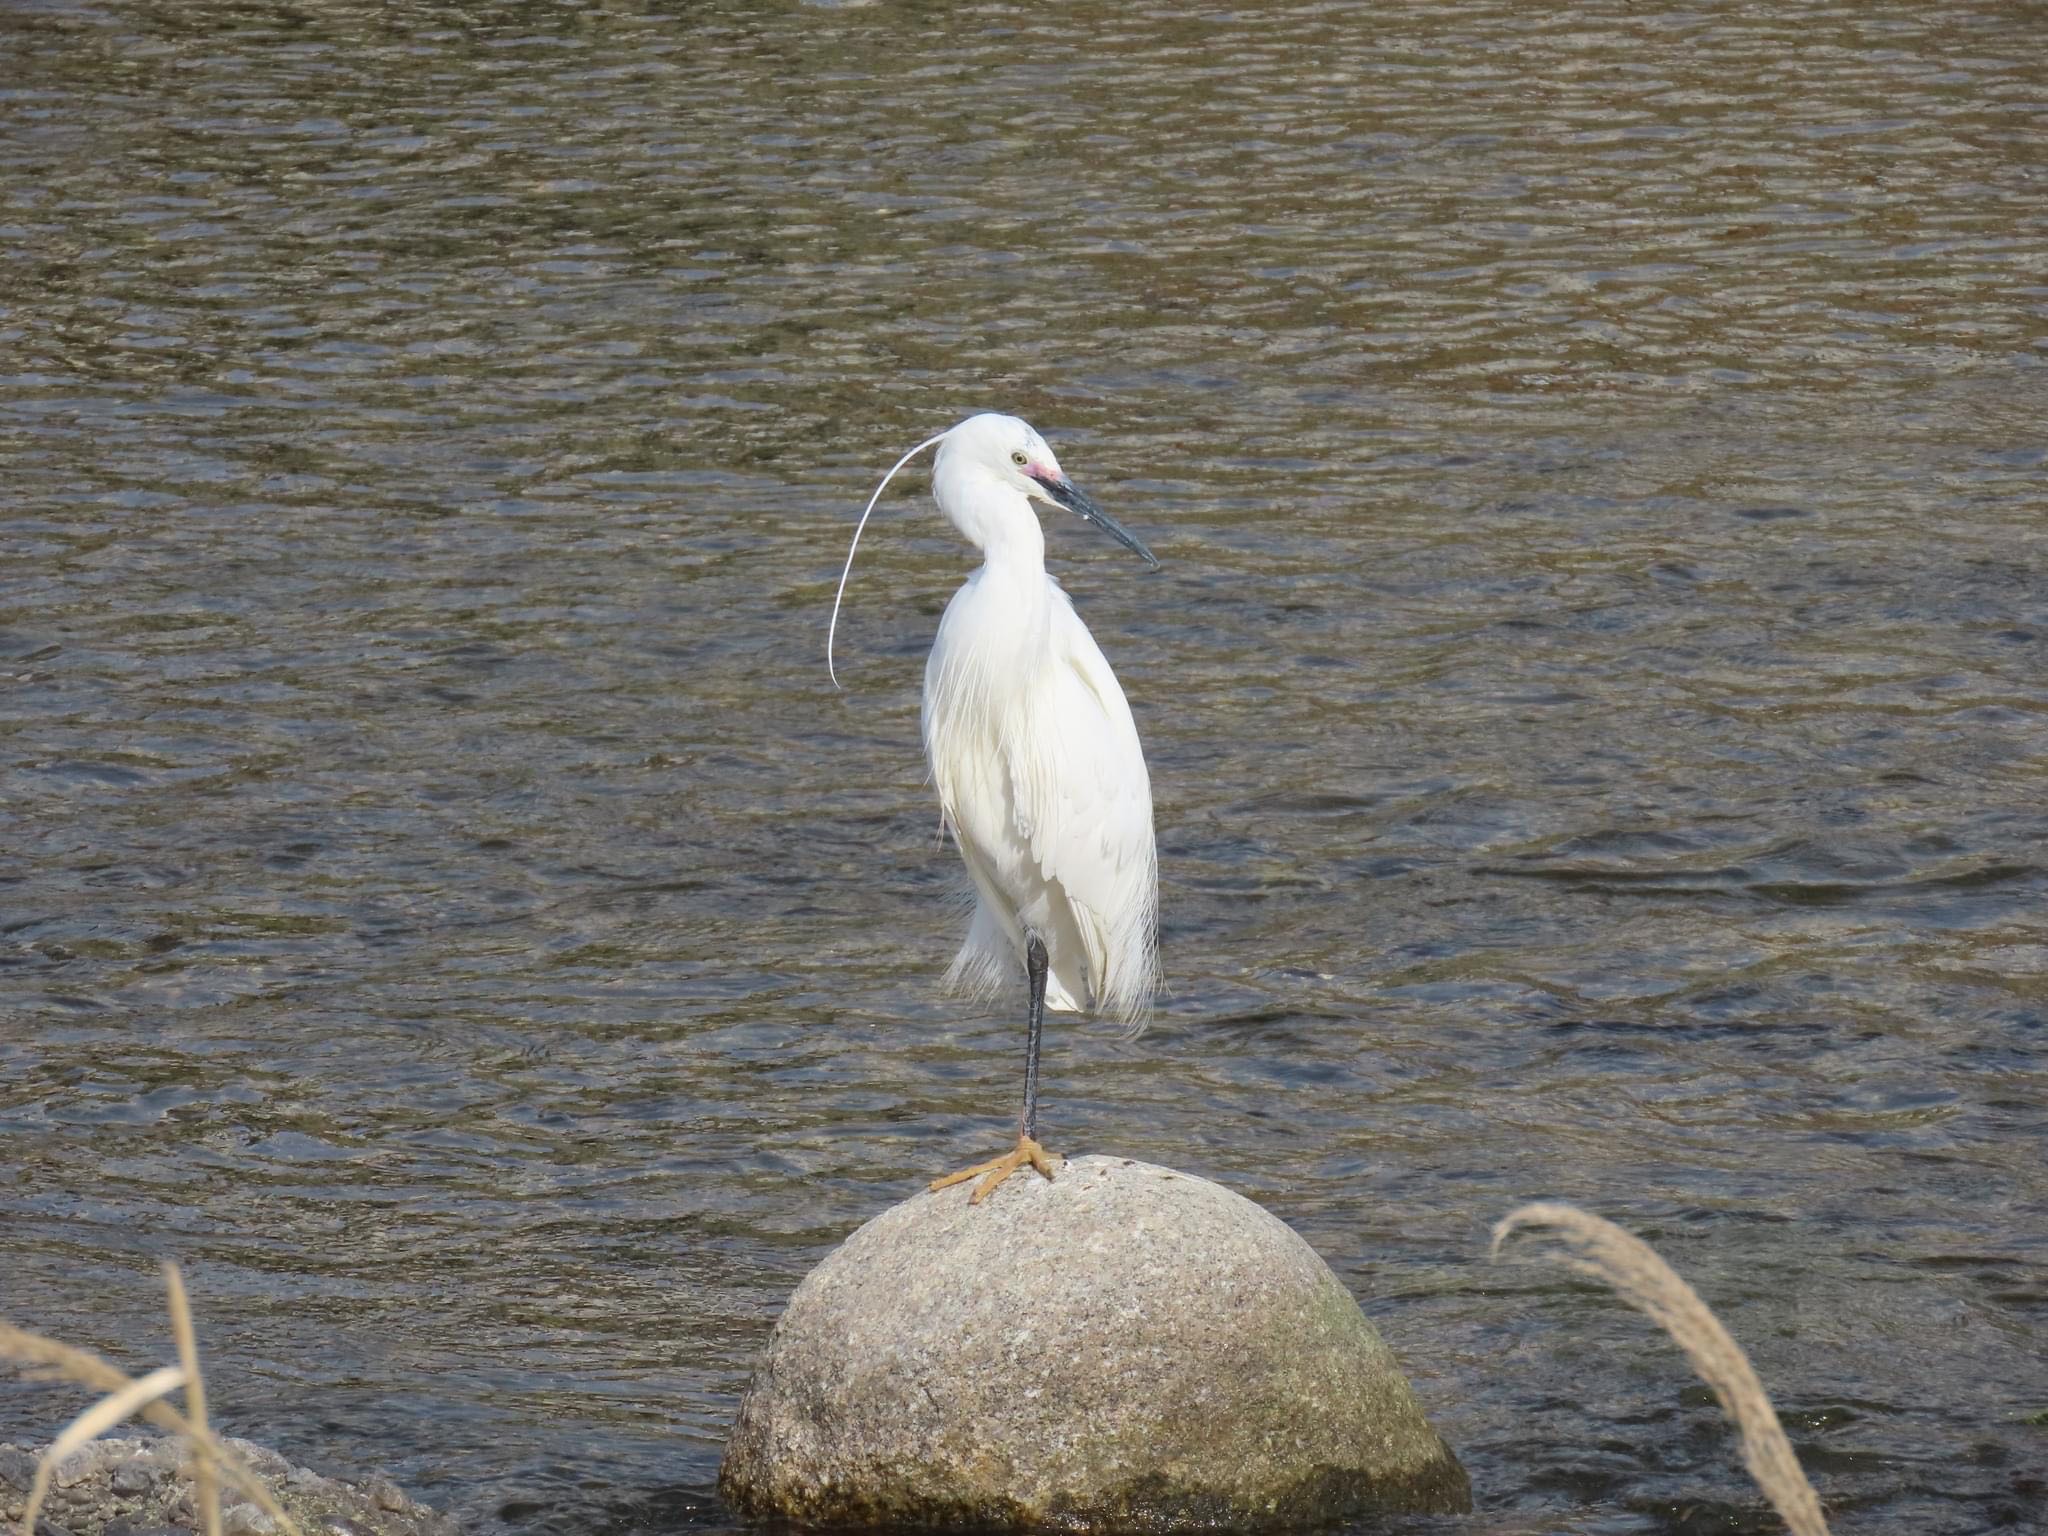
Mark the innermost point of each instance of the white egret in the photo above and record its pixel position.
(1041, 780)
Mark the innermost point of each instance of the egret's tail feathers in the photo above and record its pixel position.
(977, 975)
(1643, 1280)
(1127, 995)
(983, 973)
(1128, 983)
(987, 965)
(984, 964)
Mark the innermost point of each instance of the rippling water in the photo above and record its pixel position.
(1595, 697)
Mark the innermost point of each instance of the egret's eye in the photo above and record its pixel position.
(1017, 457)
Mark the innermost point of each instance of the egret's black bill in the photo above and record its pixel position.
(1076, 501)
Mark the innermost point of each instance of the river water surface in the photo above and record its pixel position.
(1596, 696)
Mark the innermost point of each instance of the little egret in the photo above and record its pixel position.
(1041, 780)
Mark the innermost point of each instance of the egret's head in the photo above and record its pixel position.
(1005, 448)
(1009, 451)
(989, 469)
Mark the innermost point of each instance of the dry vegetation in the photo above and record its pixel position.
(1631, 1266)
(44, 1359)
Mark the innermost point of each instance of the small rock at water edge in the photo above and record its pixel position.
(143, 1487)
(17, 1468)
(132, 1477)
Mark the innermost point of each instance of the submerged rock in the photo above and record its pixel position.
(138, 1487)
(1123, 1349)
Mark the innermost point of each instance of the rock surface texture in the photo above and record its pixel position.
(1124, 1349)
(143, 1487)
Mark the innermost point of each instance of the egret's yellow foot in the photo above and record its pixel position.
(998, 1169)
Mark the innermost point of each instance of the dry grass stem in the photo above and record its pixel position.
(44, 1359)
(204, 1484)
(90, 1425)
(1628, 1264)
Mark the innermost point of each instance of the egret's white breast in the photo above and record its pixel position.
(1042, 780)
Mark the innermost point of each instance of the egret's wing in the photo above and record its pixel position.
(1083, 803)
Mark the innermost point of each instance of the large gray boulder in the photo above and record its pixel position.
(1125, 1348)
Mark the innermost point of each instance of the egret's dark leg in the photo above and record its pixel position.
(1035, 967)
(1028, 1153)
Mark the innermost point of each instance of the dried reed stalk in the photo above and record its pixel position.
(44, 1359)
(204, 1483)
(1643, 1280)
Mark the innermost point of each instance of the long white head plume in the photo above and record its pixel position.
(840, 595)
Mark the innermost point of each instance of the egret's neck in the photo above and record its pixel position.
(1014, 549)
(996, 519)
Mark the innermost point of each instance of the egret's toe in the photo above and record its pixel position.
(1027, 1153)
